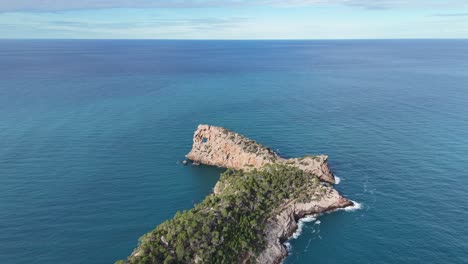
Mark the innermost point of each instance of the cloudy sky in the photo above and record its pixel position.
(234, 19)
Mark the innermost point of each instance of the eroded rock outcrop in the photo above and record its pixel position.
(221, 147)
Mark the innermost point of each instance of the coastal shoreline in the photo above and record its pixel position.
(283, 226)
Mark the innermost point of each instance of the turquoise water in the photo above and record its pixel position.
(92, 134)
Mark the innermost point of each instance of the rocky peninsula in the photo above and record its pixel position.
(253, 210)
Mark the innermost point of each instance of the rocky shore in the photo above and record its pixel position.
(254, 209)
(285, 223)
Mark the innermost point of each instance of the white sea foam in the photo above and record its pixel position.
(337, 180)
(300, 226)
(311, 218)
(288, 246)
(355, 207)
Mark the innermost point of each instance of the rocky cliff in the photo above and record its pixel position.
(221, 147)
(253, 210)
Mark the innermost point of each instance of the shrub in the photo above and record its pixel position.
(224, 227)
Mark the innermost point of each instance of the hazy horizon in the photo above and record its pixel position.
(213, 39)
(233, 19)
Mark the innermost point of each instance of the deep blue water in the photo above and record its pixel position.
(92, 134)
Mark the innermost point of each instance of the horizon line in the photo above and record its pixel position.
(234, 39)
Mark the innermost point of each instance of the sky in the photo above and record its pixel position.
(233, 19)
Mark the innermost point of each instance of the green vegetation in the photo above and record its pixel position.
(228, 227)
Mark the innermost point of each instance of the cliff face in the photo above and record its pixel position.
(220, 147)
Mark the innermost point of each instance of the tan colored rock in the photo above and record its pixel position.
(221, 147)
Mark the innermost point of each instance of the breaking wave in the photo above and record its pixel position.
(300, 226)
(355, 207)
(337, 180)
(311, 218)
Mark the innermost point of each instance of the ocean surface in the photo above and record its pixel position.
(93, 132)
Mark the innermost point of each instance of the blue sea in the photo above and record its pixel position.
(93, 132)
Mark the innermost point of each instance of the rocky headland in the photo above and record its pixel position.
(221, 147)
(254, 209)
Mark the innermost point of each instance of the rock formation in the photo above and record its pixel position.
(221, 147)
(253, 210)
